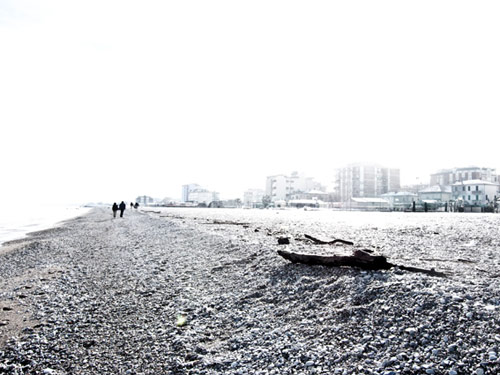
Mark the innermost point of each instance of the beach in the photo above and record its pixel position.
(203, 291)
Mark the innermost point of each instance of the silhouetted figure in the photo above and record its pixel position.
(114, 208)
(122, 208)
(136, 205)
(131, 205)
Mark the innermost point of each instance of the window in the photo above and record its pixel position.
(477, 188)
(468, 188)
(463, 188)
(477, 197)
(468, 198)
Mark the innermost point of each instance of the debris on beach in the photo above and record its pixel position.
(113, 293)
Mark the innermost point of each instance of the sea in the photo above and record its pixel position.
(16, 221)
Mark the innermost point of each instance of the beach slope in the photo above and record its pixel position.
(163, 293)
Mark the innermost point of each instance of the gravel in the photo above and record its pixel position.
(203, 291)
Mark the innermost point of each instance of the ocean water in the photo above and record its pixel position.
(17, 220)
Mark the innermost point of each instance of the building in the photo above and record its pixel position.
(437, 193)
(369, 204)
(253, 198)
(145, 200)
(194, 193)
(305, 203)
(401, 200)
(311, 194)
(186, 189)
(448, 177)
(365, 180)
(282, 187)
(477, 193)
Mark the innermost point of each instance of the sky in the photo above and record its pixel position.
(108, 100)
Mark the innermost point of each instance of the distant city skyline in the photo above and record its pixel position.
(224, 94)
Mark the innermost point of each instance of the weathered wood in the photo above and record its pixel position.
(333, 242)
(283, 241)
(359, 258)
(431, 272)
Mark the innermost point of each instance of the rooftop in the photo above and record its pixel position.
(474, 182)
(436, 189)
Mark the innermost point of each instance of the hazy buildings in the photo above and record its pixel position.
(194, 193)
(144, 200)
(281, 187)
(471, 186)
(450, 176)
(438, 193)
(365, 180)
(253, 198)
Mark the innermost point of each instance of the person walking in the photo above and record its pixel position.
(122, 208)
(114, 208)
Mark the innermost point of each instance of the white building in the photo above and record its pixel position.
(450, 176)
(145, 200)
(253, 198)
(194, 193)
(281, 187)
(186, 189)
(369, 204)
(364, 181)
(475, 192)
(438, 193)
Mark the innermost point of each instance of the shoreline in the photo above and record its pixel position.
(103, 295)
(44, 218)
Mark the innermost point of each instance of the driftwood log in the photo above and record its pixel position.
(359, 258)
(333, 242)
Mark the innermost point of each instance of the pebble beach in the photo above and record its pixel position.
(203, 291)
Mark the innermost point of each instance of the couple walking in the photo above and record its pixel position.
(121, 207)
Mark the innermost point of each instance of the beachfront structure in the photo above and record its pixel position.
(253, 198)
(365, 180)
(194, 193)
(281, 187)
(401, 200)
(369, 204)
(437, 193)
(312, 194)
(475, 192)
(448, 177)
(304, 203)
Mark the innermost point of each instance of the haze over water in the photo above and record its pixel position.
(18, 220)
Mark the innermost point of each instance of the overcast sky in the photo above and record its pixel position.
(107, 100)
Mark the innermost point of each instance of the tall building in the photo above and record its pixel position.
(448, 177)
(281, 187)
(194, 193)
(365, 180)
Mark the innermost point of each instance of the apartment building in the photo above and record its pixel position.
(282, 187)
(194, 193)
(448, 177)
(365, 180)
(475, 192)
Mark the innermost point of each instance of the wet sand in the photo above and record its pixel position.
(104, 295)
